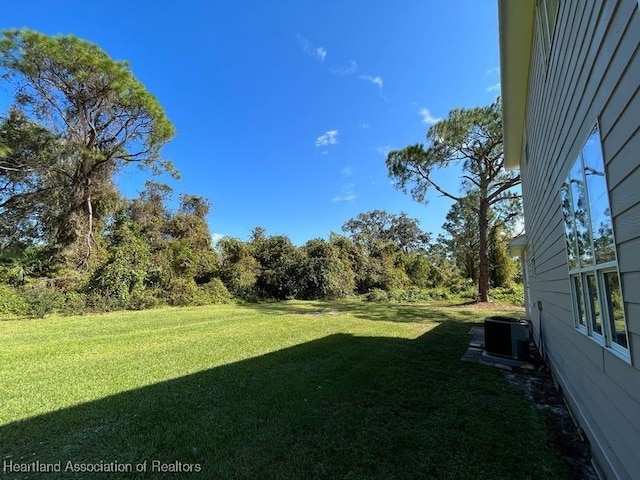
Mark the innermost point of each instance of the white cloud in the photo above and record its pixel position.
(377, 80)
(346, 172)
(328, 138)
(384, 150)
(345, 70)
(347, 194)
(319, 53)
(365, 125)
(427, 118)
(494, 88)
(493, 70)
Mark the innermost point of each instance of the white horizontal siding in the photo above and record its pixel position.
(592, 75)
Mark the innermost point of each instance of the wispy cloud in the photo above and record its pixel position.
(493, 70)
(328, 138)
(319, 53)
(365, 125)
(346, 172)
(494, 88)
(340, 69)
(344, 70)
(347, 194)
(427, 118)
(377, 80)
(384, 149)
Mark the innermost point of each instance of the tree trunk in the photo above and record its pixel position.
(89, 235)
(483, 274)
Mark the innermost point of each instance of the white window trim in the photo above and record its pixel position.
(605, 339)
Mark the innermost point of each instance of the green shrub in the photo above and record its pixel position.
(463, 289)
(11, 302)
(99, 303)
(73, 303)
(142, 300)
(441, 293)
(5, 275)
(183, 292)
(513, 294)
(410, 295)
(215, 291)
(41, 301)
(377, 295)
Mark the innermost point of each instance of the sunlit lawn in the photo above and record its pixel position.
(343, 389)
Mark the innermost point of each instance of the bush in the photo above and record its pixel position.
(11, 302)
(41, 301)
(73, 303)
(99, 303)
(215, 291)
(142, 300)
(377, 295)
(183, 292)
(465, 289)
(440, 293)
(6, 276)
(410, 295)
(513, 294)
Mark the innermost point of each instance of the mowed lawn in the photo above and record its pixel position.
(343, 389)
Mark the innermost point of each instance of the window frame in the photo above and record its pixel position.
(546, 26)
(582, 302)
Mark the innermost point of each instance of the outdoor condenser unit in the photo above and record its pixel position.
(506, 337)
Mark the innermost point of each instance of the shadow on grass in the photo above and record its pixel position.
(383, 311)
(337, 407)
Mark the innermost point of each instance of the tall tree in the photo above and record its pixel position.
(101, 115)
(471, 138)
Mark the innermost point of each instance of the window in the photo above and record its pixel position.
(546, 16)
(591, 254)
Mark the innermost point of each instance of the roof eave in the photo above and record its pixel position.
(516, 22)
(518, 245)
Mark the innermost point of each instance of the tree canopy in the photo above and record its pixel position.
(99, 118)
(370, 228)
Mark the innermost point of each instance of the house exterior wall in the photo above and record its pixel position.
(592, 75)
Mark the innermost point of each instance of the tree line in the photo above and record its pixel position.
(70, 241)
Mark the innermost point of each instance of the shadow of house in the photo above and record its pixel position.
(337, 407)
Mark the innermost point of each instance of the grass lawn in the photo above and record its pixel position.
(343, 389)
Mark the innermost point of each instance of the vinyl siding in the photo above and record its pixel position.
(591, 74)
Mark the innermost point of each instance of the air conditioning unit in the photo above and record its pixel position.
(506, 337)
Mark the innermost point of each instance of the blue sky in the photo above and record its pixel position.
(285, 109)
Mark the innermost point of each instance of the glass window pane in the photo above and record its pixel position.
(569, 231)
(599, 211)
(594, 304)
(615, 308)
(552, 14)
(580, 214)
(577, 293)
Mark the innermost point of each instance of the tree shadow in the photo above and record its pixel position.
(337, 407)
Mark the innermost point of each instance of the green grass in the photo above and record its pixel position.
(343, 389)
